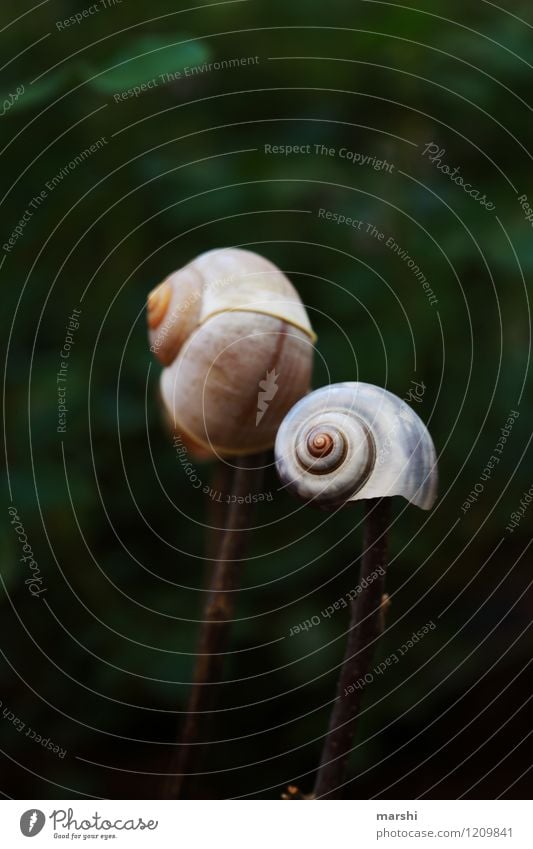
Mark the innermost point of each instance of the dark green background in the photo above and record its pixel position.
(98, 669)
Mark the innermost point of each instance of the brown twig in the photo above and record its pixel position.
(217, 508)
(214, 634)
(366, 625)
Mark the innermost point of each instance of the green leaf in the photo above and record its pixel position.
(146, 59)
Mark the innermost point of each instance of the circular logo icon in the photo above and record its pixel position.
(32, 822)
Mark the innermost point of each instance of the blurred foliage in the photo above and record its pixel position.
(103, 666)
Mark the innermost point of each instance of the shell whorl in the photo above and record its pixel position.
(352, 441)
(221, 280)
(237, 346)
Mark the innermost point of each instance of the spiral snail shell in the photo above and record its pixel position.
(353, 441)
(237, 347)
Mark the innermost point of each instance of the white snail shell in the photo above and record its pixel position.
(352, 441)
(238, 349)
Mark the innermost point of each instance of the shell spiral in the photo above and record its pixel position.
(352, 441)
(237, 347)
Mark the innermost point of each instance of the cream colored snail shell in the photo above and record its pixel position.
(352, 441)
(237, 347)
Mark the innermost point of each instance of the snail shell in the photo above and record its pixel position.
(237, 347)
(352, 441)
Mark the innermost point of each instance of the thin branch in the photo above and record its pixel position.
(366, 626)
(215, 630)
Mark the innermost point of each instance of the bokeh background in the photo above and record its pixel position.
(100, 663)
